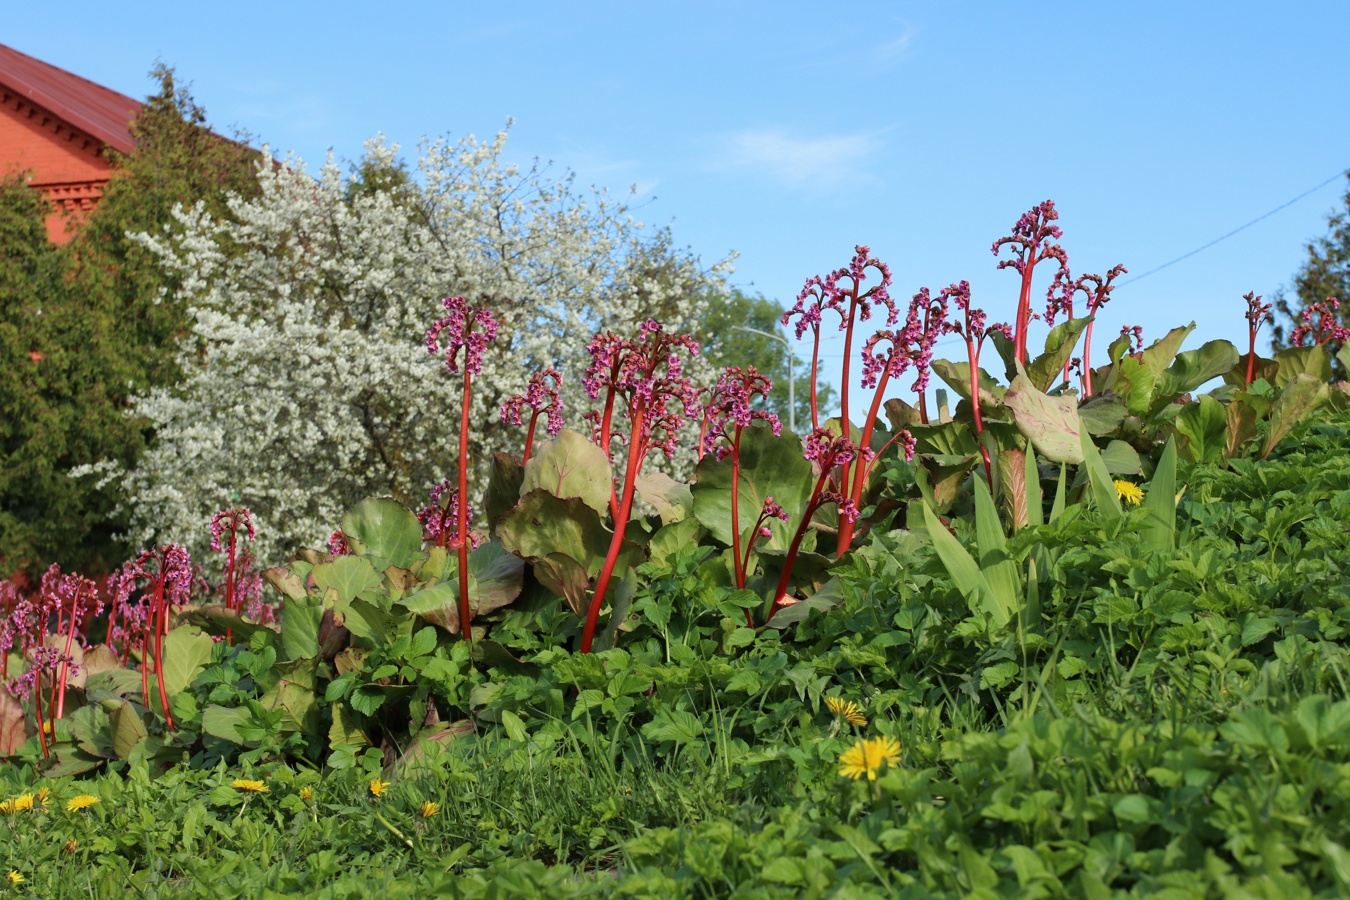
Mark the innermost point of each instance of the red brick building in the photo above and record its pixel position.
(54, 128)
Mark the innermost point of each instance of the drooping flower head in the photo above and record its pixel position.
(1257, 312)
(1327, 328)
(462, 328)
(440, 518)
(843, 292)
(647, 374)
(728, 408)
(1134, 337)
(1029, 242)
(1096, 289)
(973, 326)
(541, 395)
(226, 524)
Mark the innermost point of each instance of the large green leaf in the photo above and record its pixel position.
(350, 576)
(1203, 425)
(957, 375)
(830, 595)
(541, 524)
(998, 568)
(224, 721)
(571, 466)
(1158, 356)
(1103, 487)
(1161, 501)
(964, 571)
(1048, 368)
(293, 696)
(1295, 361)
(300, 628)
(672, 500)
(1192, 369)
(495, 579)
(770, 466)
(1134, 383)
(381, 528)
(1121, 459)
(187, 650)
(1102, 414)
(945, 439)
(1303, 394)
(505, 476)
(128, 731)
(943, 477)
(1050, 423)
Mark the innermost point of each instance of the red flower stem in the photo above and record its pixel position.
(973, 352)
(736, 509)
(60, 690)
(1024, 312)
(780, 594)
(635, 453)
(1087, 355)
(229, 577)
(844, 425)
(1251, 359)
(815, 361)
(923, 408)
(529, 438)
(861, 469)
(41, 719)
(162, 627)
(465, 626)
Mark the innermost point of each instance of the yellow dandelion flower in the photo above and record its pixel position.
(428, 809)
(84, 801)
(44, 797)
(7, 808)
(307, 793)
(846, 710)
(23, 803)
(866, 756)
(378, 787)
(245, 784)
(1128, 491)
(71, 846)
(15, 878)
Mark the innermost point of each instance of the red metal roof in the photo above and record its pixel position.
(99, 111)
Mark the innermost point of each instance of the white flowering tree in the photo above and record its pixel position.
(308, 385)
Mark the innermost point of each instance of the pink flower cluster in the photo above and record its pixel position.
(440, 518)
(820, 294)
(1257, 312)
(729, 408)
(541, 395)
(465, 328)
(1028, 239)
(974, 328)
(648, 372)
(1327, 329)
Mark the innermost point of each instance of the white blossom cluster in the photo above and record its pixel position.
(307, 384)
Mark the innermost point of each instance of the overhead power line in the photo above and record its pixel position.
(1225, 237)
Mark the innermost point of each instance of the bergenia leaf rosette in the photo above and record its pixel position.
(1030, 244)
(1257, 314)
(167, 576)
(470, 330)
(1097, 291)
(225, 528)
(541, 396)
(727, 414)
(643, 380)
(1326, 330)
(973, 329)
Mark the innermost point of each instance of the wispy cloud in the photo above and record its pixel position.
(799, 161)
(895, 48)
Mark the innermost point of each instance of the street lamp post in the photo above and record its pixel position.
(792, 400)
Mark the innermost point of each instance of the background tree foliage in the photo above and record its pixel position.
(1325, 273)
(85, 326)
(724, 344)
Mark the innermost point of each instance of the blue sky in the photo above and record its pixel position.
(791, 131)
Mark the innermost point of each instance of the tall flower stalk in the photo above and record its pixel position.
(973, 330)
(1030, 244)
(726, 415)
(1097, 291)
(1327, 328)
(468, 329)
(1257, 314)
(167, 576)
(225, 527)
(541, 396)
(643, 380)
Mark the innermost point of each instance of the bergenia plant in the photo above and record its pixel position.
(166, 574)
(643, 381)
(470, 330)
(541, 396)
(725, 416)
(1257, 314)
(974, 330)
(1030, 244)
(1326, 330)
(931, 317)
(1097, 290)
(225, 529)
(830, 454)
